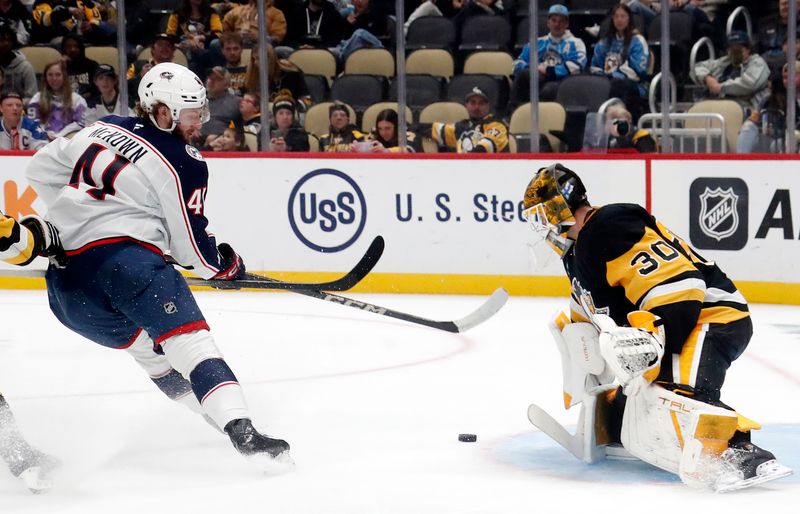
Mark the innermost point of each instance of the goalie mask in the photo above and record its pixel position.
(550, 200)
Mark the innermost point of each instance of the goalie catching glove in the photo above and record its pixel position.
(48, 243)
(632, 353)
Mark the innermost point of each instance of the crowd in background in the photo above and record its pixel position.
(218, 41)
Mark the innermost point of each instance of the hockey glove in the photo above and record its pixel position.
(633, 353)
(48, 243)
(230, 262)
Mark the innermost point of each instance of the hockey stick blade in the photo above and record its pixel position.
(348, 281)
(488, 309)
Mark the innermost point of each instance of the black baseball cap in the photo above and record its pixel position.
(10, 94)
(476, 91)
(105, 70)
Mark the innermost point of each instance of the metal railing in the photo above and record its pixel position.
(683, 134)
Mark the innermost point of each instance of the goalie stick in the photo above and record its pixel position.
(252, 281)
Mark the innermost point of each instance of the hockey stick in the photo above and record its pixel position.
(488, 309)
(343, 283)
(252, 281)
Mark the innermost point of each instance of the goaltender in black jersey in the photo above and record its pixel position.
(652, 315)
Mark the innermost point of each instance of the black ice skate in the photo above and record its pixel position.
(746, 465)
(272, 455)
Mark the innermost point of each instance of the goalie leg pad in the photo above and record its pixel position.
(658, 424)
(582, 366)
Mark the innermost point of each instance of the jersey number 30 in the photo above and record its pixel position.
(83, 171)
(663, 253)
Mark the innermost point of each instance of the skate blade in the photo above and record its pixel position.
(34, 479)
(282, 463)
(770, 472)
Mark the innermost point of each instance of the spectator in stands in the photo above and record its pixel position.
(139, 27)
(623, 134)
(231, 140)
(56, 107)
(231, 43)
(385, 134)
(80, 69)
(250, 110)
(772, 33)
(765, 129)
(283, 75)
(243, 19)
(19, 17)
(195, 24)
(342, 133)
(286, 134)
(315, 24)
(162, 50)
(623, 55)
(559, 55)
(19, 132)
(739, 75)
(17, 71)
(365, 17)
(481, 133)
(54, 19)
(106, 101)
(223, 106)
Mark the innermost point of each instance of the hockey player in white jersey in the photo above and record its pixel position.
(20, 243)
(124, 193)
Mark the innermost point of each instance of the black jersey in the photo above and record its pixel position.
(625, 260)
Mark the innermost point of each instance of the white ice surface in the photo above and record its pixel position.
(372, 408)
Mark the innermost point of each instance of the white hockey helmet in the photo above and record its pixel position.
(175, 86)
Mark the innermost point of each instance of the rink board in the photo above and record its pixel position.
(453, 224)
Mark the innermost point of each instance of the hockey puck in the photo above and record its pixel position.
(467, 438)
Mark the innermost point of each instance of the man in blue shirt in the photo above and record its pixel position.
(559, 55)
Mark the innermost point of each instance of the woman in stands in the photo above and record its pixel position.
(385, 134)
(623, 55)
(58, 109)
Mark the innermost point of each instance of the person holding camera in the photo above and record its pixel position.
(624, 135)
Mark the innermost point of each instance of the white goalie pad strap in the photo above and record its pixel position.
(582, 366)
(658, 424)
(185, 351)
(154, 364)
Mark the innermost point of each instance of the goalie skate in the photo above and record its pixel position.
(268, 454)
(746, 465)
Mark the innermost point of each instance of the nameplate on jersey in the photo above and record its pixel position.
(122, 142)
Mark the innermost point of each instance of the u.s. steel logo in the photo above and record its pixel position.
(327, 210)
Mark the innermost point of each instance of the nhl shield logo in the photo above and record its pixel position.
(170, 308)
(718, 215)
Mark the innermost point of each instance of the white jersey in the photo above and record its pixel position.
(121, 179)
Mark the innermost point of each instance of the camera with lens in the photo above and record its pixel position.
(623, 127)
